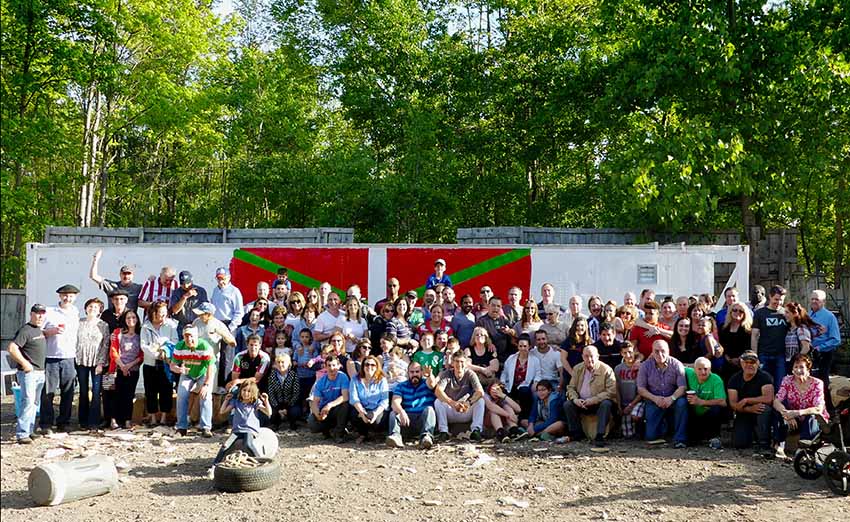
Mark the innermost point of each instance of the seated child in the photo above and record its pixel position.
(244, 422)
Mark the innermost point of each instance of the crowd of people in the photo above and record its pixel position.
(425, 367)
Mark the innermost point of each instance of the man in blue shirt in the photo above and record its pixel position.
(439, 276)
(463, 322)
(827, 340)
(413, 409)
(227, 300)
(329, 402)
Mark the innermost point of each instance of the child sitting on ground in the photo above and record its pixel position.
(245, 423)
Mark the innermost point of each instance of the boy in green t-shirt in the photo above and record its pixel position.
(426, 356)
(194, 360)
(707, 399)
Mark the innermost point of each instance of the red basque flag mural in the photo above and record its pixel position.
(308, 267)
(468, 268)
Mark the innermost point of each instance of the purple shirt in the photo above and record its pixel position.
(661, 381)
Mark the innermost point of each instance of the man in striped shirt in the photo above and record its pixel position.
(193, 359)
(158, 289)
(413, 409)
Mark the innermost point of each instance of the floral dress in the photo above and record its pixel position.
(794, 399)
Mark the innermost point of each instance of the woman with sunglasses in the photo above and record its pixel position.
(625, 320)
(369, 398)
(295, 305)
(735, 337)
(556, 330)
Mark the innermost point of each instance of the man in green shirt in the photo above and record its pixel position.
(707, 401)
(193, 359)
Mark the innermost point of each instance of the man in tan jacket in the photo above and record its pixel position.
(592, 390)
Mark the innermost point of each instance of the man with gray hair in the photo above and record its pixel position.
(824, 344)
(662, 384)
(707, 403)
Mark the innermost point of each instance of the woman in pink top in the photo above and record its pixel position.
(798, 402)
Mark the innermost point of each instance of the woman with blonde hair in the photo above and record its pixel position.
(369, 398)
(735, 336)
(482, 355)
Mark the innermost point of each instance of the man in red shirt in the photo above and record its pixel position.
(649, 330)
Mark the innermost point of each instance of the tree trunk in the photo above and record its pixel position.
(841, 216)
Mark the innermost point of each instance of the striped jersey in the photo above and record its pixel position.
(155, 290)
(196, 360)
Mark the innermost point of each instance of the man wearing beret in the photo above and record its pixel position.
(61, 323)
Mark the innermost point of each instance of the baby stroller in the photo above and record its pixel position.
(827, 453)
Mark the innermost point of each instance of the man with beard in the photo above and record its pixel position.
(413, 410)
(463, 322)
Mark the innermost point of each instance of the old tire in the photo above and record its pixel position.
(235, 480)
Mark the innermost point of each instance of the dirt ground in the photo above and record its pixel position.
(163, 478)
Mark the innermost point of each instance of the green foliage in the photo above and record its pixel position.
(408, 119)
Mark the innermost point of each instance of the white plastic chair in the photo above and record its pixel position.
(7, 369)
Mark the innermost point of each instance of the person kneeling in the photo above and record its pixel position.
(592, 390)
(245, 423)
(329, 402)
(707, 400)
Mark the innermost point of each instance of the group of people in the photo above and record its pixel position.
(512, 369)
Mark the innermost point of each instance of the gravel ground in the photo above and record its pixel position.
(163, 478)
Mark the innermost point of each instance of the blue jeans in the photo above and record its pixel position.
(656, 420)
(807, 426)
(32, 384)
(421, 424)
(89, 411)
(775, 366)
(183, 392)
(59, 376)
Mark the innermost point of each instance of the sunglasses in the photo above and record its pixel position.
(370, 364)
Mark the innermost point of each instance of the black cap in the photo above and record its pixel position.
(185, 277)
(118, 291)
(67, 289)
(38, 308)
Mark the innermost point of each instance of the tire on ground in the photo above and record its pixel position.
(235, 480)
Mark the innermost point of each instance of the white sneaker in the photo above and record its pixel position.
(394, 441)
(426, 442)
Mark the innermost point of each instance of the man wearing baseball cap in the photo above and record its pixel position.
(28, 350)
(193, 360)
(61, 324)
(125, 282)
(750, 394)
(185, 299)
(439, 276)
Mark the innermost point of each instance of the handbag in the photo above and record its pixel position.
(108, 381)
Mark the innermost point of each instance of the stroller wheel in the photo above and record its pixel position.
(836, 471)
(806, 466)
